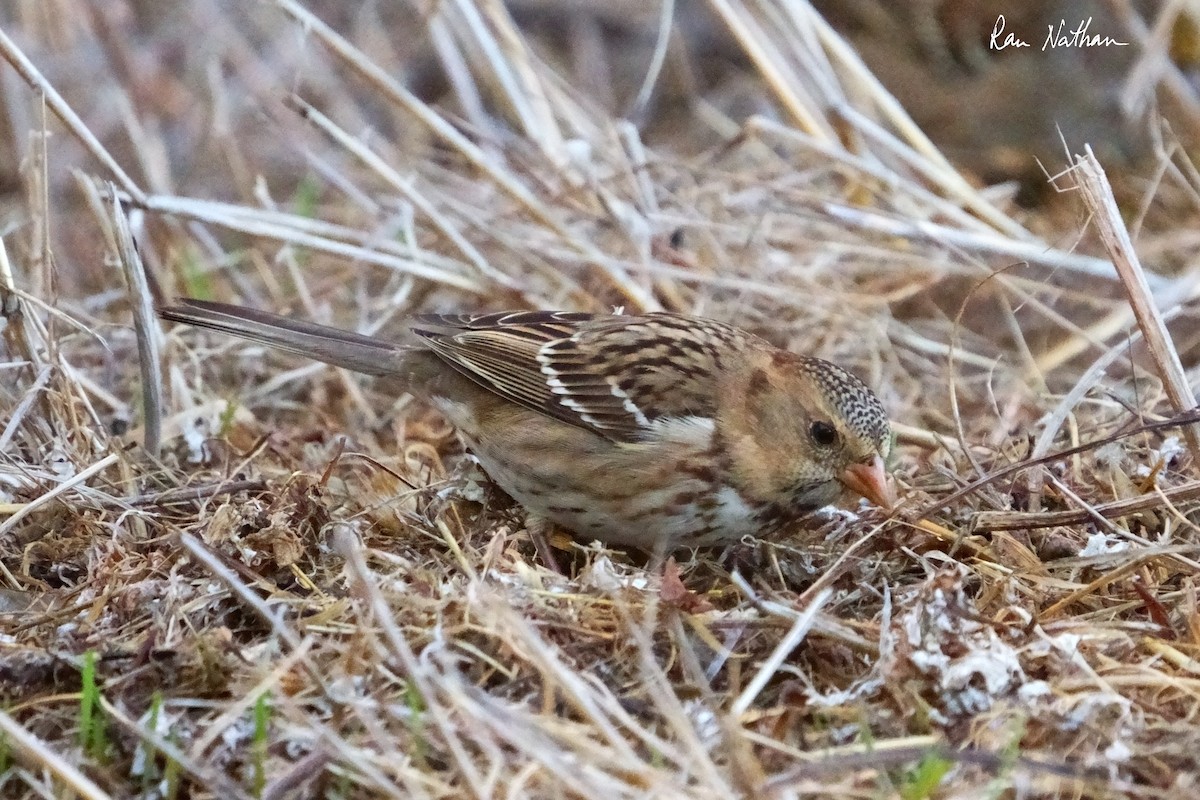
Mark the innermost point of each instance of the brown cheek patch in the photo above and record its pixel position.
(783, 359)
(758, 384)
(757, 388)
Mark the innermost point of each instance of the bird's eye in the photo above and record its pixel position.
(823, 433)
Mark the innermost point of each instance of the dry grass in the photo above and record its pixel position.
(292, 582)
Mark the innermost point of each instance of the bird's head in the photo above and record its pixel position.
(800, 431)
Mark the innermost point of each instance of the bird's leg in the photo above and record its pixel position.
(539, 531)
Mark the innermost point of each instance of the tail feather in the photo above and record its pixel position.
(333, 346)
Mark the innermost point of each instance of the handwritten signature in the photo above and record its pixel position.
(1056, 36)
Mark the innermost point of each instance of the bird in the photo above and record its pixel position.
(657, 431)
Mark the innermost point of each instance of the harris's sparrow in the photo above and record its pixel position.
(656, 431)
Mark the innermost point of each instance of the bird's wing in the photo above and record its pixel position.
(614, 375)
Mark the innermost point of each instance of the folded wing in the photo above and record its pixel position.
(614, 375)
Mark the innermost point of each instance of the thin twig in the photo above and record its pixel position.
(1019, 520)
(1097, 193)
(1178, 421)
(29, 749)
(26, 69)
(145, 326)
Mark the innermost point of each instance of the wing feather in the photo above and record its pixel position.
(614, 375)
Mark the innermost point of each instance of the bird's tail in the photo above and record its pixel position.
(333, 346)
